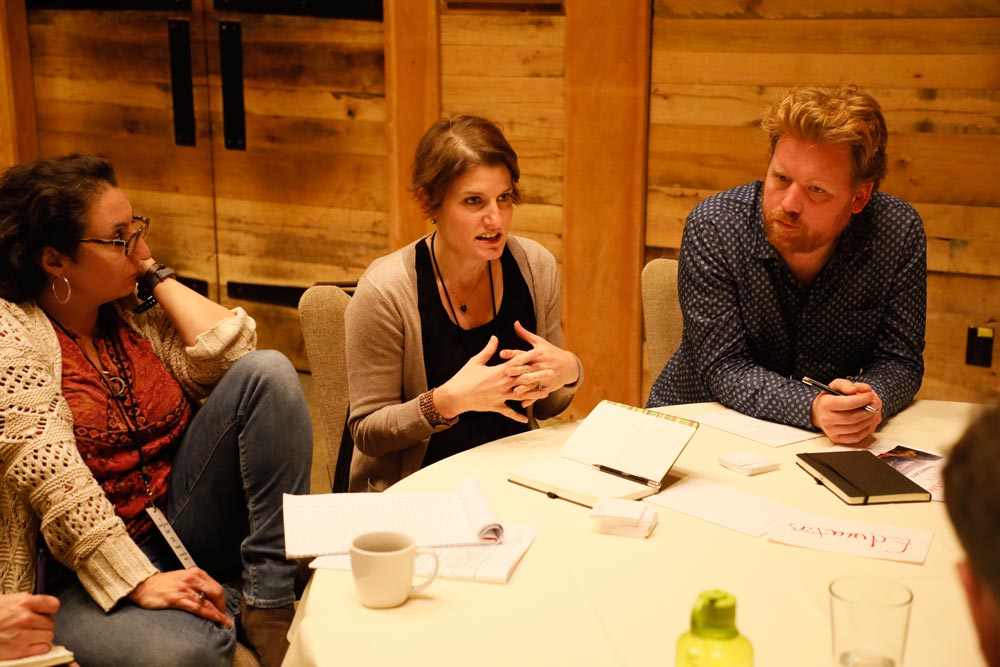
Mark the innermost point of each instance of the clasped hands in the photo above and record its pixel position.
(843, 418)
(525, 375)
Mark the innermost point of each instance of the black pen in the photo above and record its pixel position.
(819, 385)
(634, 478)
(40, 570)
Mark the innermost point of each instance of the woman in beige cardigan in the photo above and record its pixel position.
(454, 340)
(108, 456)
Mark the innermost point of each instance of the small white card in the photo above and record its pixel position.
(628, 518)
(748, 463)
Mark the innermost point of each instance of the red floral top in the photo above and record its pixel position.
(128, 441)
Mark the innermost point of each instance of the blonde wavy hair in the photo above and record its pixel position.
(841, 115)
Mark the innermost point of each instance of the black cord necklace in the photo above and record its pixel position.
(115, 385)
(461, 306)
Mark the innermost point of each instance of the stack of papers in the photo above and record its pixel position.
(324, 524)
(484, 563)
(760, 430)
(470, 541)
(627, 518)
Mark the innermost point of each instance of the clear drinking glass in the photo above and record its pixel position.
(869, 617)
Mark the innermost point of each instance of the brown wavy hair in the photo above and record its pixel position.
(453, 146)
(841, 115)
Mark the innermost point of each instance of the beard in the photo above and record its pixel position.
(801, 237)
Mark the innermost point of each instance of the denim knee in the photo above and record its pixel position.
(270, 367)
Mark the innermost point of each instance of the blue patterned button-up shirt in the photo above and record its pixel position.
(751, 331)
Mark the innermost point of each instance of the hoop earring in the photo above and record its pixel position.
(69, 290)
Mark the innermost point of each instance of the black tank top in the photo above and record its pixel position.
(447, 347)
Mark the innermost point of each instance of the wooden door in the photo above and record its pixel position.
(127, 84)
(301, 193)
(255, 141)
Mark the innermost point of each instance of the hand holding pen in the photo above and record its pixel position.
(847, 412)
(827, 388)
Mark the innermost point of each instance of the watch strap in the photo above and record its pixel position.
(153, 276)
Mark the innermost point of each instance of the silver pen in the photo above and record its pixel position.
(819, 385)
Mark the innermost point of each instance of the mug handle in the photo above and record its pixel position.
(421, 586)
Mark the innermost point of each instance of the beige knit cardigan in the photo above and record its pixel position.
(44, 483)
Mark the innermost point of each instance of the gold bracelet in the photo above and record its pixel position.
(430, 411)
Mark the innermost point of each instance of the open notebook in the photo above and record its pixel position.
(324, 524)
(618, 451)
(57, 655)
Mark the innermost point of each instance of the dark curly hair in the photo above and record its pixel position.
(44, 204)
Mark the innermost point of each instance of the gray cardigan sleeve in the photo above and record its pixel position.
(384, 378)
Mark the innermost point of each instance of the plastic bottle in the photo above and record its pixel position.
(713, 640)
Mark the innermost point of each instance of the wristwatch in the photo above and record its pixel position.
(153, 276)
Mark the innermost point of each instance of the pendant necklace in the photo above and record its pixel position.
(461, 306)
(115, 385)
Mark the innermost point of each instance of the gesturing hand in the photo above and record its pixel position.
(541, 370)
(190, 590)
(26, 624)
(843, 418)
(478, 387)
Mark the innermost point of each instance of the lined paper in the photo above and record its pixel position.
(491, 563)
(322, 524)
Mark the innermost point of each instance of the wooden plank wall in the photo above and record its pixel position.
(413, 75)
(934, 65)
(516, 67)
(508, 66)
(18, 131)
(935, 68)
(306, 200)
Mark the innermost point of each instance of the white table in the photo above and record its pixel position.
(583, 598)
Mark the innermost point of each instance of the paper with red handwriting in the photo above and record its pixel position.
(854, 538)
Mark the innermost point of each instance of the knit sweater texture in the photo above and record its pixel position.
(44, 483)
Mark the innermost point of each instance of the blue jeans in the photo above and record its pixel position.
(247, 445)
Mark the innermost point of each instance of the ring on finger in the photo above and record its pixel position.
(201, 597)
(538, 386)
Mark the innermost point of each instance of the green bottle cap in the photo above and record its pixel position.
(714, 615)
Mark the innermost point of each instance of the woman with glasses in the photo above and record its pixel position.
(454, 340)
(144, 444)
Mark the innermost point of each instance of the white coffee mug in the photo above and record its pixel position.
(383, 564)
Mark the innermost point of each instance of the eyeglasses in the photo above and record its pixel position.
(128, 243)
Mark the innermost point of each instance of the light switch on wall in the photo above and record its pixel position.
(979, 347)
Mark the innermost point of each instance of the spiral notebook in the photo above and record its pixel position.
(618, 451)
(325, 524)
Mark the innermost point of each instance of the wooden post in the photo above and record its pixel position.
(607, 106)
(413, 102)
(18, 128)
